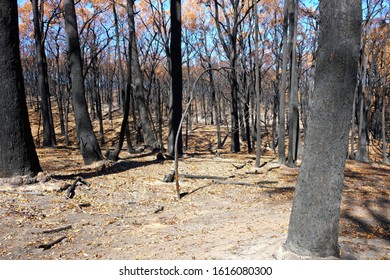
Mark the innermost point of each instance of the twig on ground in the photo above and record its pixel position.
(47, 246)
(272, 168)
(57, 229)
(242, 184)
(84, 204)
(232, 183)
(22, 193)
(159, 209)
(191, 176)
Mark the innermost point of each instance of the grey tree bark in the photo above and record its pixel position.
(352, 137)
(314, 221)
(49, 138)
(137, 79)
(89, 145)
(230, 48)
(214, 94)
(282, 92)
(17, 151)
(362, 153)
(257, 86)
(125, 94)
(384, 142)
(293, 127)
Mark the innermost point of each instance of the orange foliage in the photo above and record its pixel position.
(193, 15)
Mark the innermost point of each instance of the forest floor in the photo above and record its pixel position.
(126, 211)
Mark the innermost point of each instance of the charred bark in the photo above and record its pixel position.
(89, 145)
(17, 151)
(176, 95)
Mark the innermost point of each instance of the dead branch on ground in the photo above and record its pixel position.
(57, 229)
(191, 176)
(22, 193)
(47, 246)
(243, 184)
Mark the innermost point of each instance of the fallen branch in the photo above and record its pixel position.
(272, 168)
(57, 229)
(159, 209)
(266, 170)
(232, 183)
(84, 204)
(243, 184)
(47, 246)
(191, 176)
(23, 193)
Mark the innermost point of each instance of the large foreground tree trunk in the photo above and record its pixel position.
(314, 221)
(89, 145)
(17, 151)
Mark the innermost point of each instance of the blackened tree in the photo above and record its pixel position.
(17, 151)
(49, 138)
(89, 145)
(176, 96)
(137, 79)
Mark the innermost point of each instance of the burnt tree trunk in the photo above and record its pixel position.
(176, 95)
(234, 118)
(282, 92)
(137, 78)
(293, 121)
(230, 48)
(124, 126)
(89, 145)
(17, 151)
(383, 117)
(314, 221)
(49, 138)
(126, 96)
(257, 87)
(122, 88)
